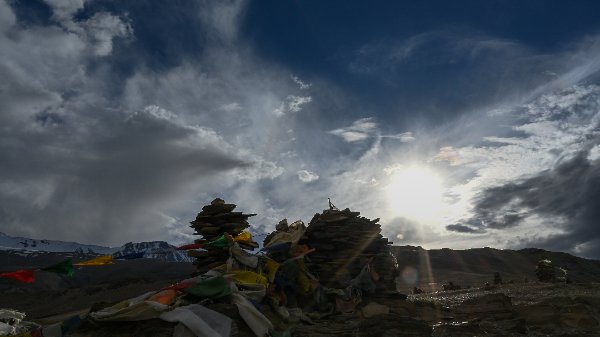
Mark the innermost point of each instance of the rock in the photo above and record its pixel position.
(392, 325)
(578, 315)
(457, 329)
(490, 305)
(212, 222)
(344, 243)
(561, 314)
(374, 309)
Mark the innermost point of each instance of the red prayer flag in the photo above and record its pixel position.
(22, 275)
(190, 246)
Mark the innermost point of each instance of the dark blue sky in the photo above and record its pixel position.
(312, 36)
(323, 38)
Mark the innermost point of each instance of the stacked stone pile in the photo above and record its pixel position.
(212, 222)
(345, 242)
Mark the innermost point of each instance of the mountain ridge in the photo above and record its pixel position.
(160, 250)
(431, 268)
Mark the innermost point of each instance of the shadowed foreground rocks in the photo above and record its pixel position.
(530, 309)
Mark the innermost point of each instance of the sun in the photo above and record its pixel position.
(416, 193)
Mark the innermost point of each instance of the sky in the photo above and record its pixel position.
(459, 124)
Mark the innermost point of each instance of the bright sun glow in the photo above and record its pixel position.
(416, 193)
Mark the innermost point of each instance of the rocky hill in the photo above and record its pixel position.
(429, 269)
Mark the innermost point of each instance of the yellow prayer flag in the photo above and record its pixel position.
(246, 277)
(243, 236)
(99, 261)
(272, 267)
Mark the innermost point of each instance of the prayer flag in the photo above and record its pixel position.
(65, 268)
(190, 246)
(219, 242)
(243, 236)
(99, 261)
(22, 275)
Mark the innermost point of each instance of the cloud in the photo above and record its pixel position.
(126, 143)
(292, 103)
(540, 180)
(110, 181)
(99, 30)
(405, 137)
(391, 55)
(7, 17)
(135, 165)
(569, 192)
(262, 169)
(449, 154)
(359, 130)
(307, 176)
(463, 229)
(64, 10)
(303, 85)
(102, 28)
(366, 128)
(234, 106)
(295, 102)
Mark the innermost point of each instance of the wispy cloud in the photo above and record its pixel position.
(307, 176)
(450, 155)
(292, 103)
(359, 130)
(230, 107)
(405, 137)
(303, 85)
(365, 128)
(540, 176)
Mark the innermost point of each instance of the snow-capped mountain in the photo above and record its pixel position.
(153, 250)
(11, 242)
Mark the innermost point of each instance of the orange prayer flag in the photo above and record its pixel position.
(99, 261)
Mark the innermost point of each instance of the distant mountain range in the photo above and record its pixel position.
(159, 250)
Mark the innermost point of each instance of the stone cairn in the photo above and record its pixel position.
(212, 222)
(345, 242)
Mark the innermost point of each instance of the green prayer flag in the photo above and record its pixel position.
(211, 287)
(65, 268)
(219, 242)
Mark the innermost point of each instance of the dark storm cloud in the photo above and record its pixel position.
(78, 163)
(463, 229)
(106, 181)
(566, 196)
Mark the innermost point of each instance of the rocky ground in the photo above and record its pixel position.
(525, 309)
(515, 309)
(54, 294)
